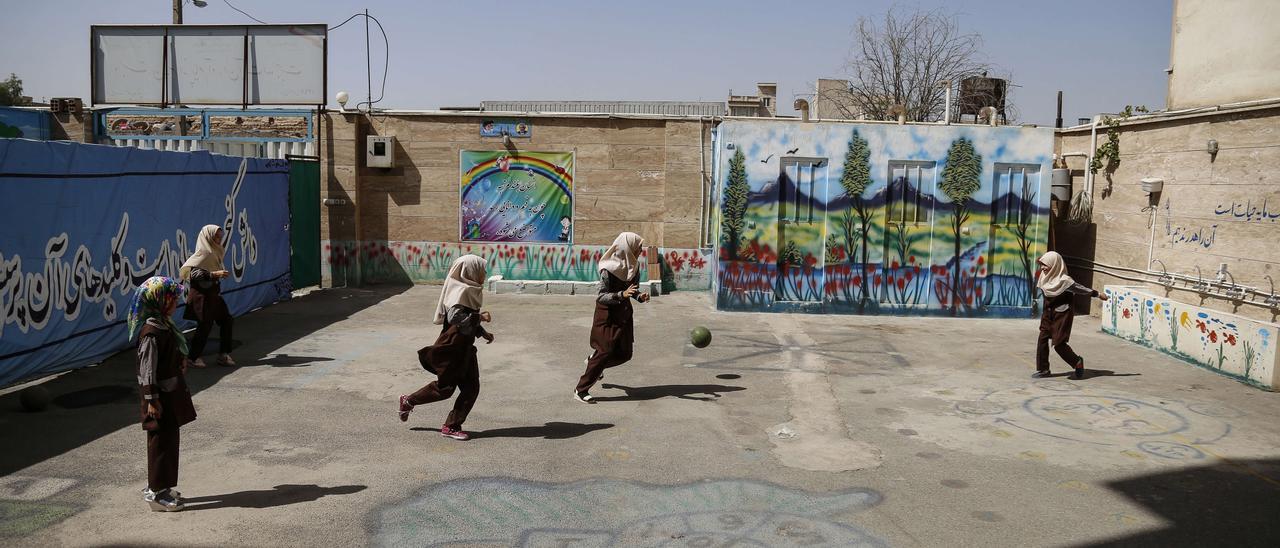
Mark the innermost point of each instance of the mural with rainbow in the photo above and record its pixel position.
(875, 218)
(521, 197)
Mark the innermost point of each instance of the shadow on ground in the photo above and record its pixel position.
(280, 495)
(92, 402)
(1229, 503)
(700, 392)
(550, 431)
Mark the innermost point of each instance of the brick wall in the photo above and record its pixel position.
(631, 174)
(1200, 192)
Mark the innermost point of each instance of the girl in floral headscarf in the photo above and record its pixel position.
(166, 401)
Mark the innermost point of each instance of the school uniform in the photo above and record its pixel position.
(612, 329)
(205, 306)
(1055, 325)
(453, 356)
(160, 380)
(453, 360)
(613, 325)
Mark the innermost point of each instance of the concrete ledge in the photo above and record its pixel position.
(498, 285)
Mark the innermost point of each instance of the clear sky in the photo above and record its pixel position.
(1103, 54)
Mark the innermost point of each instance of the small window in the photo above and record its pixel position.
(1013, 192)
(908, 199)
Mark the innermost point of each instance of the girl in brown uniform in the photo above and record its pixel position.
(612, 328)
(1055, 324)
(166, 401)
(203, 271)
(453, 356)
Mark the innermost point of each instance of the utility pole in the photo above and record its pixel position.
(177, 12)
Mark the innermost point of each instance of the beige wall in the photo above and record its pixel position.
(1196, 187)
(642, 175)
(1224, 51)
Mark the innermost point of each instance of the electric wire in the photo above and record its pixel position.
(244, 13)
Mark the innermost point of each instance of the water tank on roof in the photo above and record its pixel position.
(980, 91)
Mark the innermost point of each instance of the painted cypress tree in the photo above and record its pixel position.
(855, 180)
(736, 196)
(960, 179)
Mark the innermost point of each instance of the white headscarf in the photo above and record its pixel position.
(622, 259)
(463, 285)
(208, 255)
(1056, 280)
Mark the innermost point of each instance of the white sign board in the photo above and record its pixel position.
(209, 64)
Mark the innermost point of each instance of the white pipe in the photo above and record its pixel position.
(1151, 243)
(946, 113)
(1093, 149)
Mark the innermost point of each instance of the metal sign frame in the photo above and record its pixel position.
(244, 103)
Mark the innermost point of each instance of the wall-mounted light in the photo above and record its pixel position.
(1212, 147)
(1152, 186)
(342, 100)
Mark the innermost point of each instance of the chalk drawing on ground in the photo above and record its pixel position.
(511, 512)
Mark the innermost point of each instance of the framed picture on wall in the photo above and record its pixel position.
(516, 197)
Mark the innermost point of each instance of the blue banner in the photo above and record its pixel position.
(82, 225)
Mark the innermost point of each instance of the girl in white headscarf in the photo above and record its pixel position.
(453, 356)
(612, 328)
(1055, 324)
(203, 273)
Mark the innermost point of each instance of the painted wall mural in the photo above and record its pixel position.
(880, 218)
(1232, 345)
(689, 269)
(517, 196)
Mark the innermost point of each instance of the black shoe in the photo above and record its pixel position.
(1079, 372)
(1041, 374)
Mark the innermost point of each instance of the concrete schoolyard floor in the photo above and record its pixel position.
(788, 430)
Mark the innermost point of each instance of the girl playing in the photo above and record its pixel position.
(453, 357)
(166, 401)
(205, 305)
(1059, 290)
(612, 329)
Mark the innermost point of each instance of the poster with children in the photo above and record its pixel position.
(516, 196)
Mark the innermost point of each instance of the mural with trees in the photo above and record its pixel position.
(855, 180)
(960, 179)
(951, 257)
(733, 213)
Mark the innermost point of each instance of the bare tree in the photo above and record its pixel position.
(904, 60)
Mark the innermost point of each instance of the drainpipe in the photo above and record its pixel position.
(1093, 149)
(946, 113)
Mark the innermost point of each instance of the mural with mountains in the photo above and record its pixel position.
(880, 218)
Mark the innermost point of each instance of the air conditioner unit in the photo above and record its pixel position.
(380, 151)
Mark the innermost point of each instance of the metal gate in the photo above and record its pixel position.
(304, 220)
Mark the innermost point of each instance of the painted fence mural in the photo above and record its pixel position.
(83, 225)
(880, 218)
(683, 269)
(1232, 345)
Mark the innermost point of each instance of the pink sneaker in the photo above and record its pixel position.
(455, 433)
(405, 408)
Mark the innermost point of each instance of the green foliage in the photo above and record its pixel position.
(790, 255)
(833, 251)
(962, 175)
(1108, 153)
(11, 90)
(736, 197)
(857, 167)
(855, 180)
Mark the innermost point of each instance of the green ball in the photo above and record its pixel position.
(34, 398)
(700, 336)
